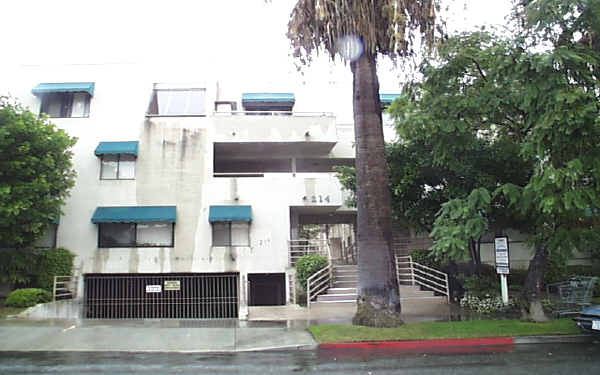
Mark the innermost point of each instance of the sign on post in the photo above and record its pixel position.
(502, 257)
(502, 264)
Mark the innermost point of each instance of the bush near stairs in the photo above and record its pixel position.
(308, 265)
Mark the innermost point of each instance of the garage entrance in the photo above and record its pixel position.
(161, 296)
(266, 289)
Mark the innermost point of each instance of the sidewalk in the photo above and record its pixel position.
(268, 328)
(150, 336)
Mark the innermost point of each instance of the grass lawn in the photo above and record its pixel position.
(596, 301)
(443, 330)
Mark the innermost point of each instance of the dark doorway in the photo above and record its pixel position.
(266, 289)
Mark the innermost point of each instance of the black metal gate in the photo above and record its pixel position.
(164, 296)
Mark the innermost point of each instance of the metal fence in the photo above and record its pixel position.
(164, 296)
(299, 248)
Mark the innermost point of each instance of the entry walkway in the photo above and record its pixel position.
(341, 313)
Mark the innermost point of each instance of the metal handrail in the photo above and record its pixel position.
(63, 287)
(423, 275)
(299, 248)
(320, 281)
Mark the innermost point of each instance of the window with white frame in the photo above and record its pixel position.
(231, 234)
(153, 234)
(168, 100)
(66, 104)
(117, 167)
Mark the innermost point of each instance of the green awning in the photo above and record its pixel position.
(230, 213)
(135, 214)
(387, 99)
(117, 148)
(269, 97)
(46, 88)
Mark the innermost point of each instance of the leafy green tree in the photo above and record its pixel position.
(539, 92)
(360, 31)
(420, 186)
(36, 174)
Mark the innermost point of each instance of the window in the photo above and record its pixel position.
(154, 234)
(48, 238)
(117, 167)
(168, 101)
(231, 234)
(66, 104)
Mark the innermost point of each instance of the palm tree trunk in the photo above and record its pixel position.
(378, 297)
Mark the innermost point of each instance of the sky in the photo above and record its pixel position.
(240, 39)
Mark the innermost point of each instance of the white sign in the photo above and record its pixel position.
(172, 285)
(502, 258)
(153, 289)
(596, 324)
(501, 243)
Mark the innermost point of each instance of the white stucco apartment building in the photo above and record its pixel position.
(189, 193)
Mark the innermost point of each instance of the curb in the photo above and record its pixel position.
(454, 343)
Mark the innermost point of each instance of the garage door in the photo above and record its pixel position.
(163, 296)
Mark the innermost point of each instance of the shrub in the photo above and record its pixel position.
(481, 285)
(307, 265)
(27, 297)
(53, 262)
(516, 279)
(424, 257)
(18, 266)
(485, 304)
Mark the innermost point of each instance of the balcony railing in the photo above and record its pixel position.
(273, 113)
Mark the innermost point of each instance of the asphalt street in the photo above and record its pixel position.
(580, 359)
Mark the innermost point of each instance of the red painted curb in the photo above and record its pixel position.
(424, 344)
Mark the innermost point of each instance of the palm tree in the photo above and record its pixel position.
(379, 27)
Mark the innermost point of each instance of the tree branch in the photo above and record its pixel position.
(479, 68)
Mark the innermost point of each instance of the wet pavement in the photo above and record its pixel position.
(150, 335)
(581, 359)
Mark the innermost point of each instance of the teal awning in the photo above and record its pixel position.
(117, 148)
(135, 214)
(230, 213)
(46, 88)
(268, 97)
(387, 99)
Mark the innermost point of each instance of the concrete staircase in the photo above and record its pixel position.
(345, 282)
(343, 290)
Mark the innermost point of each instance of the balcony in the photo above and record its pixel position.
(276, 126)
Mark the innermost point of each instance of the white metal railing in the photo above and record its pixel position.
(299, 248)
(63, 287)
(320, 281)
(273, 113)
(418, 274)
